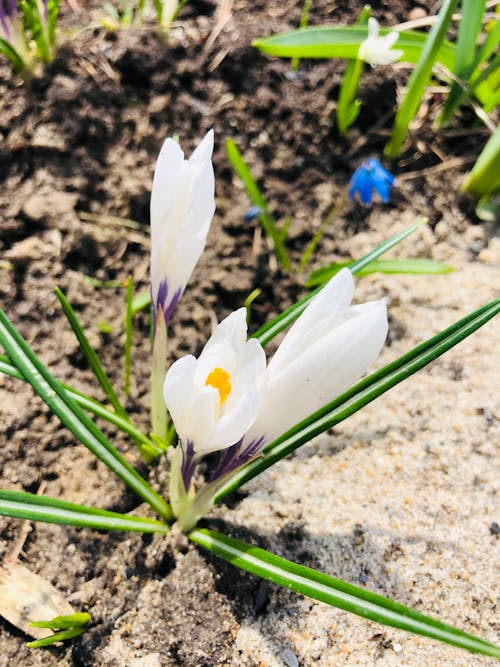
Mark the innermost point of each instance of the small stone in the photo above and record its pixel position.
(48, 136)
(39, 206)
(63, 89)
(289, 658)
(150, 660)
(397, 648)
(32, 248)
(417, 13)
(494, 528)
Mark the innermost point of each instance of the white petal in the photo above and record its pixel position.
(231, 331)
(192, 410)
(377, 50)
(323, 371)
(317, 318)
(373, 28)
(166, 175)
(231, 427)
(249, 372)
(203, 152)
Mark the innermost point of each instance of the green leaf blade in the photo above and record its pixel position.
(273, 328)
(72, 415)
(78, 619)
(148, 447)
(61, 636)
(90, 354)
(336, 592)
(343, 42)
(472, 12)
(21, 505)
(410, 265)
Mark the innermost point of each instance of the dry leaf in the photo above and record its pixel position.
(26, 597)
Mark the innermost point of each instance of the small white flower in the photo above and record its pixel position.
(182, 208)
(325, 352)
(377, 50)
(213, 400)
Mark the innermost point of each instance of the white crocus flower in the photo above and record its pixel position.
(182, 208)
(213, 400)
(325, 352)
(377, 50)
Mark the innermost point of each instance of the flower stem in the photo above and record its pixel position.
(159, 420)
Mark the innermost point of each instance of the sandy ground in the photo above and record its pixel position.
(402, 497)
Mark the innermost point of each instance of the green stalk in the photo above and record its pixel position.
(419, 78)
(267, 220)
(348, 106)
(33, 507)
(91, 355)
(127, 353)
(159, 420)
(335, 592)
(484, 179)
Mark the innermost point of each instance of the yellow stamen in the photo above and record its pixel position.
(220, 380)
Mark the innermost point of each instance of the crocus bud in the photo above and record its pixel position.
(182, 208)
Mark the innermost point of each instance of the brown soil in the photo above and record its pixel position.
(84, 138)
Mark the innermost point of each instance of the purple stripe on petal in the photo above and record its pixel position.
(234, 457)
(11, 7)
(226, 457)
(4, 13)
(161, 297)
(5, 27)
(188, 463)
(161, 301)
(167, 313)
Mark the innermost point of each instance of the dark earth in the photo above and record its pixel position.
(78, 146)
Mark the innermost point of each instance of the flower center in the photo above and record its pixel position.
(220, 380)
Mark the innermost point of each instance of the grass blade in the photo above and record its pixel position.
(79, 619)
(304, 20)
(335, 592)
(312, 245)
(411, 265)
(29, 506)
(344, 41)
(348, 104)
(61, 636)
(90, 355)
(72, 415)
(419, 78)
(267, 220)
(484, 179)
(273, 328)
(466, 51)
(141, 301)
(361, 394)
(146, 446)
(129, 314)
